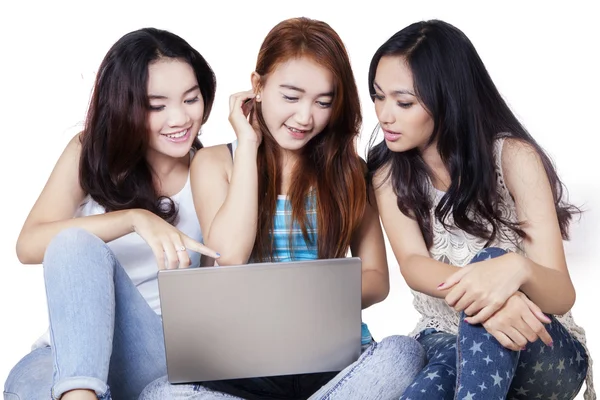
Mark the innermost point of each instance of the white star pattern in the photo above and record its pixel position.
(561, 366)
(469, 396)
(522, 391)
(497, 378)
(440, 388)
(487, 360)
(432, 375)
(482, 386)
(476, 347)
(538, 367)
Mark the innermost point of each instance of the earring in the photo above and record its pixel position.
(258, 97)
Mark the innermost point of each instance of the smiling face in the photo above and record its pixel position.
(296, 102)
(176, 107)
(406, 123)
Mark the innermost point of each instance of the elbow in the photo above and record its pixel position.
(25, 253)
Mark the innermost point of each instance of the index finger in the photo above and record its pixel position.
(198, 247)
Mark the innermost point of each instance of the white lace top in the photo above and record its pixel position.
(456, 247)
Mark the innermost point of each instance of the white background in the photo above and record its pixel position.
(542, 57)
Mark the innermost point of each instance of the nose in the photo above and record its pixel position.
(304, 113)
(385, 112)
(177, 116)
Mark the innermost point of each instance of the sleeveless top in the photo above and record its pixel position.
(456, 247)
(134, 254)
(297, 249)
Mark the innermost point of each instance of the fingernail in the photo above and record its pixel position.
(440, 285)
(551, 344)
(218, 255)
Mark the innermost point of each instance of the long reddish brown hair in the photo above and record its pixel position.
(329, 163)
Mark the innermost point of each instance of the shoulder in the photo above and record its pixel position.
(216, 159)
(522, 165)
(517, 154)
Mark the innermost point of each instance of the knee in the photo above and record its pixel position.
(72, 242)
(157, 390)
(487, 253)
(402, 350)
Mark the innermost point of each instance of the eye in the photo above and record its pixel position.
(376, 96)
(404, 105)
(192, 101)
(157, 108)
(290, 99)
(324, 104)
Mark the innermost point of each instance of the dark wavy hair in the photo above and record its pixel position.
(113, 168)
(469, 114)
(329, 163)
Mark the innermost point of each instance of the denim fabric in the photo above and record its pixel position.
(382, 372)
(103, 333)
(474, 365)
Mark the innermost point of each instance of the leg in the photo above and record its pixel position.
(31, 378)
(437, 380)
(161, 389)
(550, 372)
(102, 330)
(383, 371)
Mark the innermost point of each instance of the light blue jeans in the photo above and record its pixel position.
(383, 371)
(103, 333)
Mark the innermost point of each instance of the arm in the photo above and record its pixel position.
(421, 272)
(227, 211)
(546, 280)
(225, 193)
(481, 289)
(368, 244)
(54, 209)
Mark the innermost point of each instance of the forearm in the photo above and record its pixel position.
(551, 290)
(375, 288)
(234, 227)
(424, 274)
(34, 239)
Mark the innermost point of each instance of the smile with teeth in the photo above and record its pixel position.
(176, 134)
(297, 130)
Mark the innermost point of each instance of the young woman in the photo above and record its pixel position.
(117, 207)
(294, 188)
(474, 212)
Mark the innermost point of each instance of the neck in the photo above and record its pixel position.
(440, 176)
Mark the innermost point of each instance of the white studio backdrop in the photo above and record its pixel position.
(542, 57)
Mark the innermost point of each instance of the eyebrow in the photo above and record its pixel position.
(160, 97)
(291, 87)
(395, 92)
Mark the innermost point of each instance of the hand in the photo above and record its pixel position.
(518, 322)
(240, 105)
(480, 289)
(167, 241)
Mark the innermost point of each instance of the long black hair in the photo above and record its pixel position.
(469, 114)
(113, 168)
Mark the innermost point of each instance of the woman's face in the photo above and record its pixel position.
(296, 102)
(405, 122)
(176, 107)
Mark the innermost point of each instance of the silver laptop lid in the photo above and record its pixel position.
(261, 319)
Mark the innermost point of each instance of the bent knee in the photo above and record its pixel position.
(403, 349)
(72, 242)
(157, 390)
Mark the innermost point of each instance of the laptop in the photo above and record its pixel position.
(263, 319)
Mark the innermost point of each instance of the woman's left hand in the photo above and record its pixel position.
(482, 288)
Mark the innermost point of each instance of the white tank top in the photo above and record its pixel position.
(135, 255)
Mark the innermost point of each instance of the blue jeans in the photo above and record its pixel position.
(103, 333)
(383, 371)
(474, 365)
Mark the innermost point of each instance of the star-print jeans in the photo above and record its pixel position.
(473, 365)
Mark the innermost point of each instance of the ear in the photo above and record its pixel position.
(256, 80)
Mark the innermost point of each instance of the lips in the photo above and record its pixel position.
(178, 136)
(391, 136)
(296, 132)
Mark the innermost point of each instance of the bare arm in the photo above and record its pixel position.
(421, 272)
(54, 209)
(546, 281)
(368, 244)
(227, 211)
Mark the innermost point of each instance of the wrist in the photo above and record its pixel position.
(133, 218)
(524, 269)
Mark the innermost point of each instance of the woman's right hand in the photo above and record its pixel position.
(168, 243)
(518, 321)
(240, 105)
